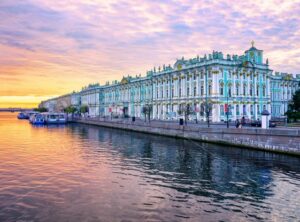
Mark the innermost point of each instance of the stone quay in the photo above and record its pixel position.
(280, 140)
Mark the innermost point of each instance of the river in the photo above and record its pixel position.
(88, 173)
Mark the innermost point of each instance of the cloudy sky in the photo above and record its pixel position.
(48, 48)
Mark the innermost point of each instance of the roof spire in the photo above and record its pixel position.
(252, 43)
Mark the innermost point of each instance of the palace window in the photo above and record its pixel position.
(188, 91)
(251, 110)
(202, 90)
(264, 91)
(222, 110)
(195, 90)
(237, 90)
(172, 91)
(237, 110)
(180, 92)
(167, 93)
(258, 111)
(244, 89)
(250, 90)
(229, 91)
(244, 110)
(257, 91)
(221, 89)
(209, 89)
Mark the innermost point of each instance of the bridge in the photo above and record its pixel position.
(14, 109)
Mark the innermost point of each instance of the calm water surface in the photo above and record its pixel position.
(86, 173)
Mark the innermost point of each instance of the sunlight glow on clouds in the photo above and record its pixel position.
(54, 47)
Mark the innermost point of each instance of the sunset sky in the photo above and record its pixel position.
(48, 48)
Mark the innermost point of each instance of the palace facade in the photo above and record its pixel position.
(214, 86)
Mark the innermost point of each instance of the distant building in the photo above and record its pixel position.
(90, 97)
(283, 87)
(211, 86)
(58, 104)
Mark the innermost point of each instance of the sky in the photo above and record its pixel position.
(49, 48)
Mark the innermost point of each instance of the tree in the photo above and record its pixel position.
(205, 109)
(84, 109)
(186, 111)
(40, 109)
(70, 109)
(147, 110)
(294, 107)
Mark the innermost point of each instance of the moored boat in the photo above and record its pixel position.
(22, 116)
(55, 118)
(37, 119)
(30, 113)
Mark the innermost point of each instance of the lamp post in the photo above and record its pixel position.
(227, 110)
(206, 98)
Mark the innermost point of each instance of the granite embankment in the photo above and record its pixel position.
(275, 140)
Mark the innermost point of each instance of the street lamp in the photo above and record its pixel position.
(227, 110)
(206, 99)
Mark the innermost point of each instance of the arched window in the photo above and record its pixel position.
(209, 89)
(237, 89)
(229, 90)
(237, 110)
(244, 89)
(221, 89)
(195, 90)
(251, 90)
(222, 110)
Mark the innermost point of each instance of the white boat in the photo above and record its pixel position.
(29, 114)
(37, 119)
(55, 118)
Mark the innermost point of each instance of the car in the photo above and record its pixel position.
(257, 123)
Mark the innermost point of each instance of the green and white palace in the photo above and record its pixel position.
(211, 85)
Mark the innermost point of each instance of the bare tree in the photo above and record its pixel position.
(186, 110)
(147, 110)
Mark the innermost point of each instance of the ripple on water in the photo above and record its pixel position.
(86, 173)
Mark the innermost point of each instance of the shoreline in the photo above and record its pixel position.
(283, 141)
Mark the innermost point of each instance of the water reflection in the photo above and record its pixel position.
(220, 174)
(80, 172)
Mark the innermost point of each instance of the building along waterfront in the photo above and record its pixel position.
(210, 86)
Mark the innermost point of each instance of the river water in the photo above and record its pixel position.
(87, 173)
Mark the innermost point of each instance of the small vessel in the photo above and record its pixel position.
(37, 119)
(55, 118)
(22, 116)
(30, 113)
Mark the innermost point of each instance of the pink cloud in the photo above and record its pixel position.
(84, 41)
